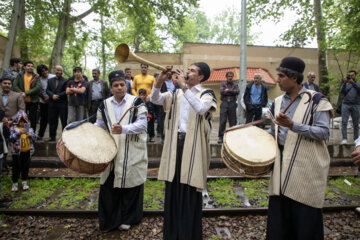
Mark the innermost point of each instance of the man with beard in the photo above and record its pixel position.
(28, 84)
(97, 90)
(188, 126)
(56, 90)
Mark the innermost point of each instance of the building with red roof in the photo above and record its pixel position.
(218, 75)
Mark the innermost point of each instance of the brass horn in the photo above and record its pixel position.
(123, 53)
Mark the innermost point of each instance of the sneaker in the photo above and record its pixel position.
(344, 141)
(357, 210)
(14, 187)
(25, 186)
(124, 227)
(151, 139)
(220, 141)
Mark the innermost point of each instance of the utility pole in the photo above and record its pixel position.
(242, 79)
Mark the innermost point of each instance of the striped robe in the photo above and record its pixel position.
(306, 161)
(196, 157)
(130, 163)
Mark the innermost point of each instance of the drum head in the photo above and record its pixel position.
(250, 145)
(90, 143)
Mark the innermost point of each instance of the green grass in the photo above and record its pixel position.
(256, 189)
(71, 192)
(153, 191)
(221, 190)
(339, 183)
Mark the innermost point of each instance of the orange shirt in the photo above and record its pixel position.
(27, 79)
(140, 81)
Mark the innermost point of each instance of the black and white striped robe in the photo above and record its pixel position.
(122, 183)
(184, 165)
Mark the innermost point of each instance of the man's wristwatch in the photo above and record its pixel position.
(185, 88)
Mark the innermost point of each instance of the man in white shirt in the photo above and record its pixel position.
(122, 183)
(187, 126)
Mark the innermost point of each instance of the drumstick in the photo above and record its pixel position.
(295, 99)
(247, 124)
(271, 117)
(118, 123)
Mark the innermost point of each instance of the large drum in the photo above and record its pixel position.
(249, 151)
(86, 148)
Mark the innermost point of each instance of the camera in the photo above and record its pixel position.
(348, 77)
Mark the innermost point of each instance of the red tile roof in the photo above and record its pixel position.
(218, 75)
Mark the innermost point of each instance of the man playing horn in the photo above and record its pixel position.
(122, 183)
(298, 181)
(187, 126)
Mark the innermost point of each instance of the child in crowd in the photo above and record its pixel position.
(22, 139)
(150, 108)
(4, 134)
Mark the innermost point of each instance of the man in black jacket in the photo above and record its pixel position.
(310, 82)
(229, 91)
(97, 90)
(255, 99)
(56, 90)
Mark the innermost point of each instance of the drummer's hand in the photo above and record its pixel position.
(355, 155)
(163, 76)
(116, 129)
(284, 120)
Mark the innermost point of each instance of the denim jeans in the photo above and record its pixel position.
(346, 111)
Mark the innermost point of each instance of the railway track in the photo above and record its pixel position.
(340, 221)
(153, 213)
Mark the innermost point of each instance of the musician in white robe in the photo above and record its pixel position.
(122, 183)
(187, 126)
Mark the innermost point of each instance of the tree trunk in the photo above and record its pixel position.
(14, 23)
(65, 22)
(103, 46)
(22, 40)
(61, 36)
(321, 41)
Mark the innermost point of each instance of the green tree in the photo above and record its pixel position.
(227, 27)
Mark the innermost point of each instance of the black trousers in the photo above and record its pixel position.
(253, 114)
(158, 109)
(31, 111)
(119, 205)
(183, 206)
(44, 109)
(21, 165)
(151, 128)
(227, 113)
(93, 109)
(289, 219)
(56, 111)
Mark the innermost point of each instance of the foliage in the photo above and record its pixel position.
(256, 189)
(222, 191)
(226, 27)
(196, 27)
(339, 183)
(153, 193)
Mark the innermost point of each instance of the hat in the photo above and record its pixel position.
(116, 75)
(204, 68)
(293, 63)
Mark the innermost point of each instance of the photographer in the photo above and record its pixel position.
(350, 104)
